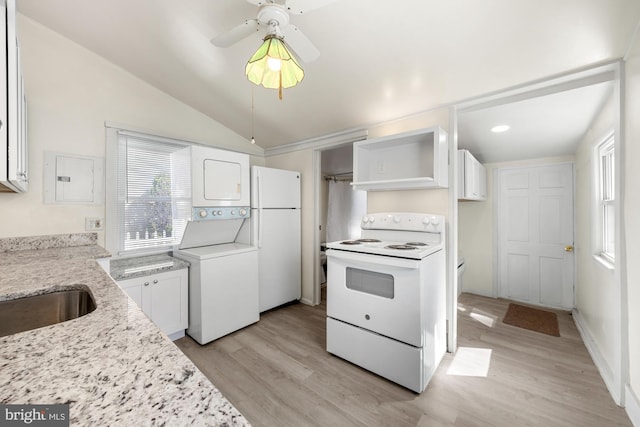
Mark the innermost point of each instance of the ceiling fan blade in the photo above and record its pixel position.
(300, 44)
(299, 7)
(236, 34)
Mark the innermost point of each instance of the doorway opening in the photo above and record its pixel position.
(340, 207)
(559, 119)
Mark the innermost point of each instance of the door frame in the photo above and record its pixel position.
(497, 283)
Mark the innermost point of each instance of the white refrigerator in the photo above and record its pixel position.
(275, 213)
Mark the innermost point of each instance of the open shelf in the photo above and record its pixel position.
(405, 161)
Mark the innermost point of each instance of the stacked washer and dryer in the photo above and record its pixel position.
(223, 277)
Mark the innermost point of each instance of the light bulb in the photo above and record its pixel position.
(500, 128)
(274, 64)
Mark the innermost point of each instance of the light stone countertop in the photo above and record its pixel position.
(129, 268)
(113, 366)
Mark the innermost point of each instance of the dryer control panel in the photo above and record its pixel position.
(207, 213)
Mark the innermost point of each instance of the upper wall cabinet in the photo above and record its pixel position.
(13, 106)
(406, 161)
(472, 177)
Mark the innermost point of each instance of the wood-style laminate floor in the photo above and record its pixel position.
(277, 373)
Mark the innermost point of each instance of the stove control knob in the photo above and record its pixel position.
(372, 219)
(243, 212)
(425, 220)
(365, 219)
(434, 220)
(202, 213)
(219, 212)
(233, 212)
(396, 219)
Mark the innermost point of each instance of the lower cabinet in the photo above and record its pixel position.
(163, 297)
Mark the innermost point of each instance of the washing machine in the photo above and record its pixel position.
(223, 276)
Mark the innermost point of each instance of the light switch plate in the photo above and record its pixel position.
(93, 224)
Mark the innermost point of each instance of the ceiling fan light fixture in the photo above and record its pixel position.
(274, 66)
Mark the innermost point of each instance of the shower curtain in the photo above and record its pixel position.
(346, 208)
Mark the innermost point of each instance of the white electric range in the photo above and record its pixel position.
(386, 299)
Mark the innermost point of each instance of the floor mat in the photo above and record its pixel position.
(534, 319)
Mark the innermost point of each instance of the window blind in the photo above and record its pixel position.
(153, 192)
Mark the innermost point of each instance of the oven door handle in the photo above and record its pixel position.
(369, 261)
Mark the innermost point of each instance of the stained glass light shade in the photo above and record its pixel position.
(273, 66)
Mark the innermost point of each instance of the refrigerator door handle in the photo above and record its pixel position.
(259, 209)
(259, 228)
(258, 191)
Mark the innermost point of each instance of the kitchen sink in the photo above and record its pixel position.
(27, 313)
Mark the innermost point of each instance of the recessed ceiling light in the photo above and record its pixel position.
(500, 128)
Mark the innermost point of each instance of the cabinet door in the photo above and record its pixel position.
(133, 288)
(16, 139)
(168, 301)
(461, 174)
(470, 176)
(483, 182)
(162, 297)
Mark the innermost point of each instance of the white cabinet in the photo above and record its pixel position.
(13, 107)
(411, 160)
(472, 177)
(163, 298)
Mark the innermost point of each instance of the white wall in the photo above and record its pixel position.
(476, 231)
(71, 92)
(632, 223)
(595, 290)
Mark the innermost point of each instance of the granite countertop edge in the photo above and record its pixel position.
(113, 366)
(134, 267)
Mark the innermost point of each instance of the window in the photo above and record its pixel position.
(606, 199)
(153, 203)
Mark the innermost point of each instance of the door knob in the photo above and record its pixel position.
(568, 248)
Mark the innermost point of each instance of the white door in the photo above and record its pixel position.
(535, 235)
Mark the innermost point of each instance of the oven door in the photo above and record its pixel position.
(379, 293)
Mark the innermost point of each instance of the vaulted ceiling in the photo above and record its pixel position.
(379, 60)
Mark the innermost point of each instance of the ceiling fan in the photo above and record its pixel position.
(275, 17)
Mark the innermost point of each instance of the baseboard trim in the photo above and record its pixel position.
(632, 406)
(596, 356)
(306, 301)
(474, 292)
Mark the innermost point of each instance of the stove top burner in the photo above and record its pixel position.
(350, 242)
(368, 240)
(415, 244)
(401, 247)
